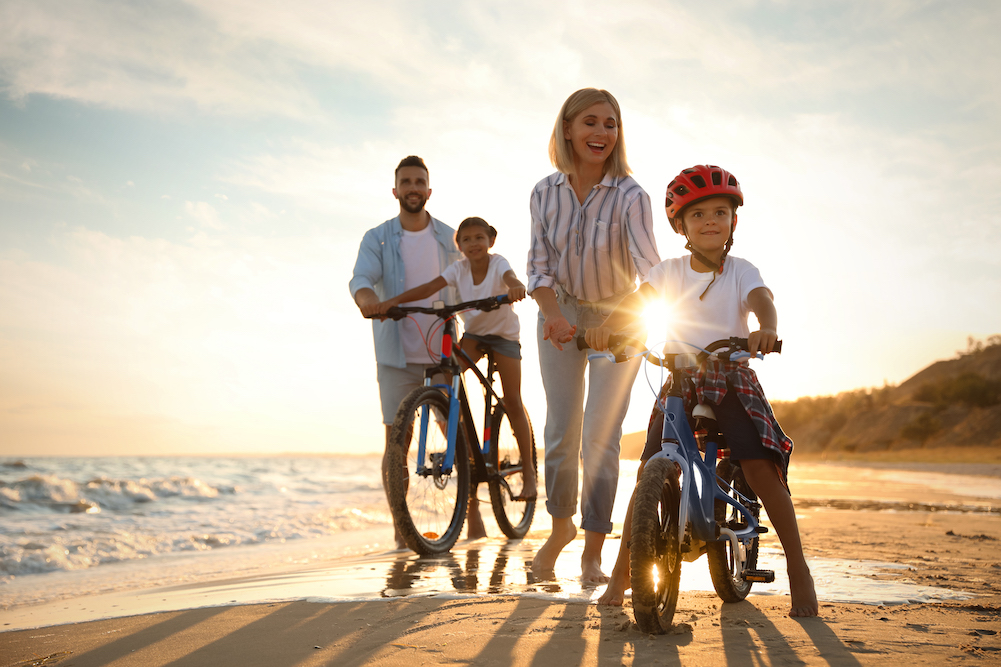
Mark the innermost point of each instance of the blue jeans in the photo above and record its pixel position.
(576, 431)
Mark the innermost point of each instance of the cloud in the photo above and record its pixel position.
(203, 340)
(204, 213)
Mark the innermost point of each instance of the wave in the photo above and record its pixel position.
(57, 494)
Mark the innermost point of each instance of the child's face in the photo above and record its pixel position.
(708, 223)
(474, 242)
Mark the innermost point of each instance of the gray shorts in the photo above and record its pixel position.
(508, 348)
(396, 383)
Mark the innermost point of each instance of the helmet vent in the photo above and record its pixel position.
(732, 182)
(699, 181)
(681, 190)
(717, 178)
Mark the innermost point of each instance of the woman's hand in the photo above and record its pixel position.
(597, 338)
(557, 331)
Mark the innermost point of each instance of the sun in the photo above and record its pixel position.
(658, 317)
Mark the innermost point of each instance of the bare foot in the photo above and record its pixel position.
(530, 489)
(590, 571)
(474, 522)
(803, 594)
(615, 593)
(563, 533)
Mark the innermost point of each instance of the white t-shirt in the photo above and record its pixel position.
(420, 261)
(720, 314)
(501, 322)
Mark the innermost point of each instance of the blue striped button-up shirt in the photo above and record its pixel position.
(593, 250)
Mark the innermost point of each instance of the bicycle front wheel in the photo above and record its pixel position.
(507, 482)
(428, 502)
(655, 558)
(724, 566)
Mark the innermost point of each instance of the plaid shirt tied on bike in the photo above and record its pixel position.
(708, 384)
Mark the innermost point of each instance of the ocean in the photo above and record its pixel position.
(72, 526)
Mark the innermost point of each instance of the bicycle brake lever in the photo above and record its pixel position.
(601, 355)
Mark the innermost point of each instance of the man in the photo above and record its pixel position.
(409, 250)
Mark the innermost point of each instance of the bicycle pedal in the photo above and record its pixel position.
(759, 576)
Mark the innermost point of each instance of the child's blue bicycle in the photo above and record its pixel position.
(678, 513)
(433, 443)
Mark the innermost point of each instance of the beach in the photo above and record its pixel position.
(906, 559)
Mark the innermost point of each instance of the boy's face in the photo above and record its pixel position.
(474, 242)
(708, 223)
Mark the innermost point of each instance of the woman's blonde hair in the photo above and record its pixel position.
(560, 149)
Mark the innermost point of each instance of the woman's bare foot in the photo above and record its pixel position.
(590, 571)
(590, 560)
(563, 533)
(803, 594)
(615, 593)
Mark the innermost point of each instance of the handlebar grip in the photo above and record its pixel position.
(742, 344)
(394, 313)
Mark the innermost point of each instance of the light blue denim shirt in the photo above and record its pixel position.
(380, 268)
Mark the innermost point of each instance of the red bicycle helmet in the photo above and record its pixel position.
(697, 183)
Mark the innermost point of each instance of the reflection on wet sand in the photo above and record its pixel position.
(499, 567)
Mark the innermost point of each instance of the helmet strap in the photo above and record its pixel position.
(717, 268)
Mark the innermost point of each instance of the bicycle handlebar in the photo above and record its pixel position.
(618, 342)
(490, 303)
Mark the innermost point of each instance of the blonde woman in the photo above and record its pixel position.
(592, 236)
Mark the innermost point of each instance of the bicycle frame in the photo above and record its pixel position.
(696, 512)
(459, 406)
(697, 506)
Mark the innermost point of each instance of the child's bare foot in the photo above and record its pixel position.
(615, 593)
(803, 594)
(590, 570)
(474, 522)
(563, 533)
(530, 491)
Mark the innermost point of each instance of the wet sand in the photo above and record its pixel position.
(908, 565)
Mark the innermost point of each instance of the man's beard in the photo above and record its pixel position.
(413, 208)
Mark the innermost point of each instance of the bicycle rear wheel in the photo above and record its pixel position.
(514, 517)
(655, 557)
(428, 504)
(728, 576)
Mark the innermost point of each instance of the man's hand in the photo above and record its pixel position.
(597, 338)
(557, 331)
(762, 340)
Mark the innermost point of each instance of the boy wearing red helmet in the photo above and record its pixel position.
(712, 296)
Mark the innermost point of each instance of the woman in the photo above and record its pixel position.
(592, 235)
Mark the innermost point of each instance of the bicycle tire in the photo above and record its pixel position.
(514, 517)
(428, 508)
(655, 554)
(730, 585)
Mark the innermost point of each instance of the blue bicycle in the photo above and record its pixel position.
(433, 444)
(678, 512)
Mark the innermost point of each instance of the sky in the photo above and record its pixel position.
(183, 187)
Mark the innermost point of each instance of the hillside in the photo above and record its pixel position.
(950, 404)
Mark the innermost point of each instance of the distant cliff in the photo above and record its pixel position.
(953, 403)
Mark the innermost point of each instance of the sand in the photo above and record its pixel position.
(479, 607)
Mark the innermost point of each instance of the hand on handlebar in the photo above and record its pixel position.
(516, 293)
(597, 338)
(379, 308)
(762, 341)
